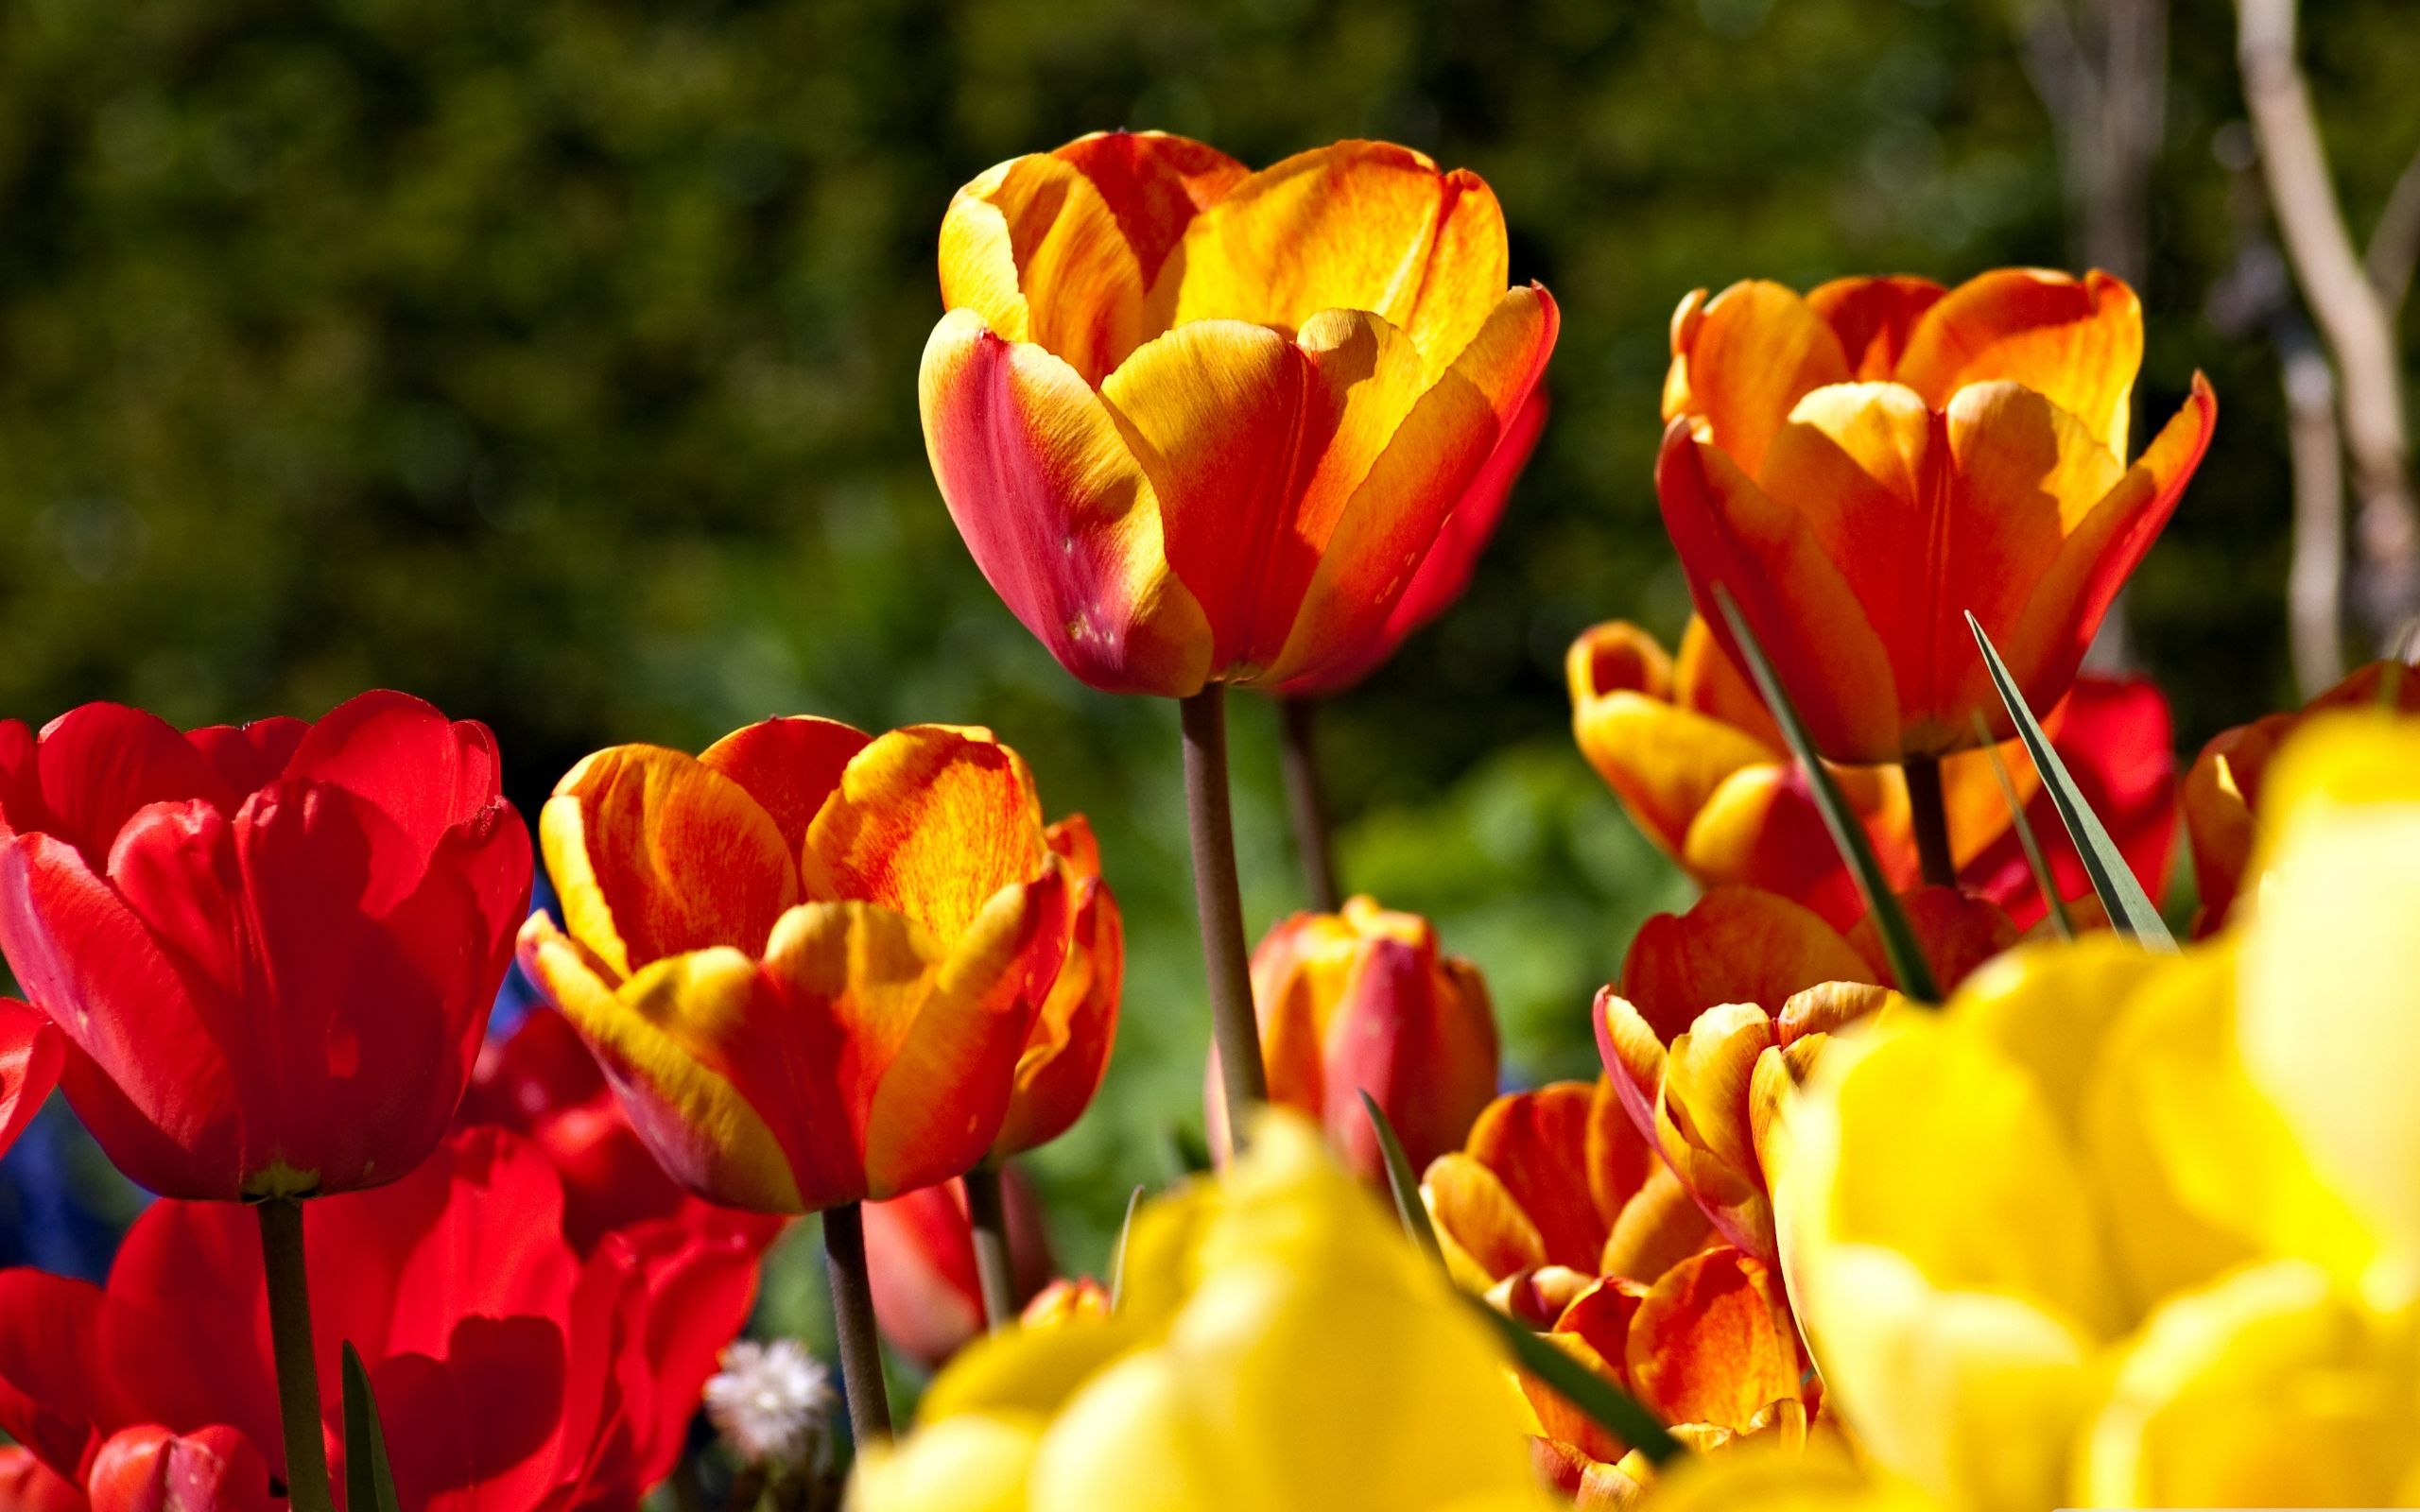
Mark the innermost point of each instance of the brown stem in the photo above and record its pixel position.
(298, 1374)
(987, 1215)
(1219, 900)
(1931, 817)
(1306, 799)
(844, 1252)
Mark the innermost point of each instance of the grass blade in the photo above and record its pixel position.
(1898, 939)
(1612, 1409)
(2035, 861)
(2128, 910)
(369, 1482)
(1404, 1185)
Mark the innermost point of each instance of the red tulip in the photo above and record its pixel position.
(30, 1051)
(26, 1484)
(512, 1373)
(272, 949)
(151, 1469)
(920, 1250)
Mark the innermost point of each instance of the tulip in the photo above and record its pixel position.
(1861, 466)
(822, 968)
(271, 950)
(1199, 424)
(920, 1249)
(1687, 747)
(1065, 1299)
(26, 1484)
(31, 1051)
(150, 1469)
(1701, 1064)
(1996, 1222)
(1554, 1188)
(1277, 1345)
(2222, 789)
(510, 1373)
(1365, 1000)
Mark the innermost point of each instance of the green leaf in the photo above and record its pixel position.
(2034, 860)
(369, 1484)
(1118, 1256)
(1898, 938)
(2112, 879)
(1606, 1404)
(1400, 1181)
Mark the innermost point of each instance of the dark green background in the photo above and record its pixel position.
(556, 361)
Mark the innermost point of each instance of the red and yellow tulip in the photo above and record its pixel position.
(1685, 743)
(1366, 1000)
(2222, 788)
(822, 968)
(1862, 465)
(1203, 424)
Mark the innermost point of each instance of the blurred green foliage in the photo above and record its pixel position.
(556, 361)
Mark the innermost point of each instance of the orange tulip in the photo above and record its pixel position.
(1710, 1348)
(1685, 743)
(1698, 1061)
(1199, 424)
(1862, 465)
(1554, 1188)
(821, 967)
(920, 1256)
(2222, 789)
(1364, 1000)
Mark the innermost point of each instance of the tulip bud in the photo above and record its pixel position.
(927, 1299)
(151, 1469)
(1363, 1001)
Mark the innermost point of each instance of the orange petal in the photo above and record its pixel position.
(665, 1048)
(1034, 249)
(1956, 931)
(1761, 829)
(1706, 679)
(1620, 1161)
(2044, 648)
(1712, 1342)
(1664, 762)
(1536, 1144)
(1632, 1051)
(1154, 183)
(1734, 945)
(1874, 318)
(930, 821)
(1356, 226)
(1483, 1228)
(1066, 1052)
(1056, 512)
(788, 765)
(655, 854)
(1706, 1079)
(1658, 1227)
(1743, 360)
(1804, 612)
(2077, 342)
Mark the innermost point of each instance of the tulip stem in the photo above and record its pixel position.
(987, 1215)
(1218, 898)
(298, 1372)
(844, 1253)
(1306, 799)
(1929, 815)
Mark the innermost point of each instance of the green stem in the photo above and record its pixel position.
(860, 1349)
(1218, 898)
(987, 1215)
(298, 1374)
(1929, 814)
(1306, 798)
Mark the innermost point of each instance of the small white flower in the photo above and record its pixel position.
(772, 1401)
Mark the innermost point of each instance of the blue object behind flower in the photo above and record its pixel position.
(514, 999)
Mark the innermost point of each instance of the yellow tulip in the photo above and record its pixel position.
(1278, 1347)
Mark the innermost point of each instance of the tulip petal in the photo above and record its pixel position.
(2077, 342)
(1066, 1052)
(1034, 249)
(930, 821)
(1057, 512)
(1742, 361)
(425, 772)
(1155, 183)
(1658, 1227)
(655, 854)
(788, 765)
(31, 1052)
(1361, 226)
(99, 763)
(1874, 318)
(1665, 763)
(53, 1395)
(1537, 1144)
(1712, 1342)
(250, 756)
(663, 1056)
(1956, 931)
(1733, 945)
(1730, 533)
(1484, 1230)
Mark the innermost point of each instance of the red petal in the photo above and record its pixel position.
(101, 762)
(53, 1395)
(150, 1469)
(790, 767)
(402, 756)
(31, 1052)
(250, 757)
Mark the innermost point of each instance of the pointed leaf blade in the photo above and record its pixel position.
(2113, 881)
(1402, 1183)
(369, 1481)
(1606, 1404)
(2035, 861)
